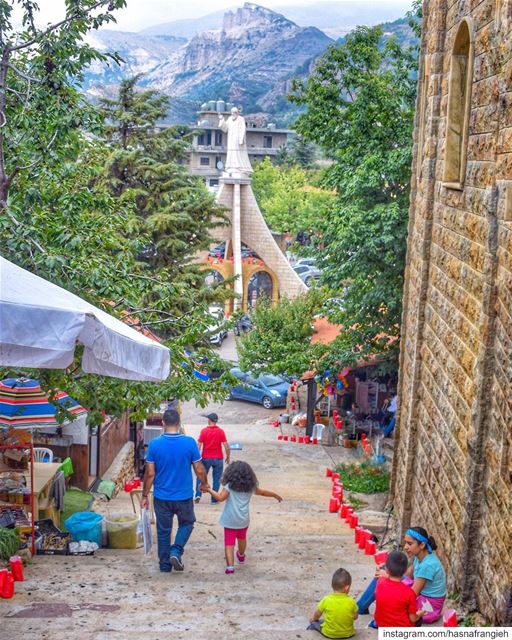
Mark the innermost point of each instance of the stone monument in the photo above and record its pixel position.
(247, 223)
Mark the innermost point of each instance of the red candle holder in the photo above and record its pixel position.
(335, 476)
(16, 564)
(450, 618)
(279, 437)
(307, 439)
(293, 439)
(285, 438)
(363, 537)
(344, 509)
(328, 472)
(137, 481)
(315, 440)
(353, 521)
(370, 548)
(301, 439)
(348, 515)
(357, 534)
(380, 557)
(334, 505)
(129, 486)
(3, 578)
(8, 586)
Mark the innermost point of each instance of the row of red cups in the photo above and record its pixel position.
(298, 439)
(362, 536)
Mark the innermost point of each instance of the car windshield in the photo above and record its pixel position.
(270, 381)
(301, 268)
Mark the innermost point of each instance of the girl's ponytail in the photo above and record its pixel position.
(432, 542)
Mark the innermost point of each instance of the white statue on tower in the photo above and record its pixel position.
(237, 160)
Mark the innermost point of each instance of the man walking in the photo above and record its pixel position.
(211, 440)
(168, 465)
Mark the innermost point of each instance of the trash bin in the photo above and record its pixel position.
(85, 525)
(122, 531)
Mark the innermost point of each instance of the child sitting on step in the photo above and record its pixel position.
(239, 485)
(338, 609)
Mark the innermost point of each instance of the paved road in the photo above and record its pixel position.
(293, 549)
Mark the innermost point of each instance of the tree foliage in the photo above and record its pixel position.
(65, 217)
(360, 105)
(288, 199)
(280, 341)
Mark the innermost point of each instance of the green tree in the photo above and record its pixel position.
(61, 220)
(360, 105)
(288, 200)
(303, 152)
(280, 341)
(146, 167)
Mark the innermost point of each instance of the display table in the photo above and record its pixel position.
(44, 472)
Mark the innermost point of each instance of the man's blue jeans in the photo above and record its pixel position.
(165, 510)
(389, 429)
(217, 466)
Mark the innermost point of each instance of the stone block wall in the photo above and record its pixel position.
(453, 458)
(122, 468)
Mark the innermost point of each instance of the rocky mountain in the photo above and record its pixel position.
(250, 61)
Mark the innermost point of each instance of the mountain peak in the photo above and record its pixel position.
(253, 15)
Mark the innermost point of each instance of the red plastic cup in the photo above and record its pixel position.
(328, 472)
(380, 557)
(8, 586)
(16, 564)
(370, 548)
(3, 578)
(357, 534)
(137, 481)
(363, 537)
(301, 439)
(307, 439)
(353, 521)
(315, 440)
(335, 476)
(129, 486)
(348, 515)
(334, 505)
(293, 439)
(450, 618)
(279, 437)
(344, 509)
(285, 438)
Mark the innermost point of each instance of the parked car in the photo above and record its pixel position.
(218, 333)
(308, 262)
(243, 325)
(308, 274)
(219, 250)
(266, 389)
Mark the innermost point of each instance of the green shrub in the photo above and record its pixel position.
(364, 477)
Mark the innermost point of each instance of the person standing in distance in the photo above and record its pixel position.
(211, 440)
(169, 463)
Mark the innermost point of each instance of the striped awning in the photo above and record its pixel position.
(24, 404)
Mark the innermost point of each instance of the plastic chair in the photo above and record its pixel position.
(41, 453)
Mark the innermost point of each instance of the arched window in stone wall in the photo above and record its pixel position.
(459, 107)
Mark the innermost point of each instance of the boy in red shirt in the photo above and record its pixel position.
(395, 602)
(211, 440)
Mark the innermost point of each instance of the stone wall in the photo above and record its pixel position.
(122, 468)
(453, 459)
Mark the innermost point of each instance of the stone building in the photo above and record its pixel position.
(453, 459)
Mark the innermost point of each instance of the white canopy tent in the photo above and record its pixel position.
(41, 324)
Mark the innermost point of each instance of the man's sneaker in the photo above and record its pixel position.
(240, 557)
(166, 569)
(229, 570)
(177, 564)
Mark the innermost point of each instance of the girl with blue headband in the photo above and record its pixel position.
(425, 575)
(426, 572)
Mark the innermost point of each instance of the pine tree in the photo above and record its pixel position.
(146, 168)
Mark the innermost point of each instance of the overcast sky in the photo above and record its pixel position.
(140, 14)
